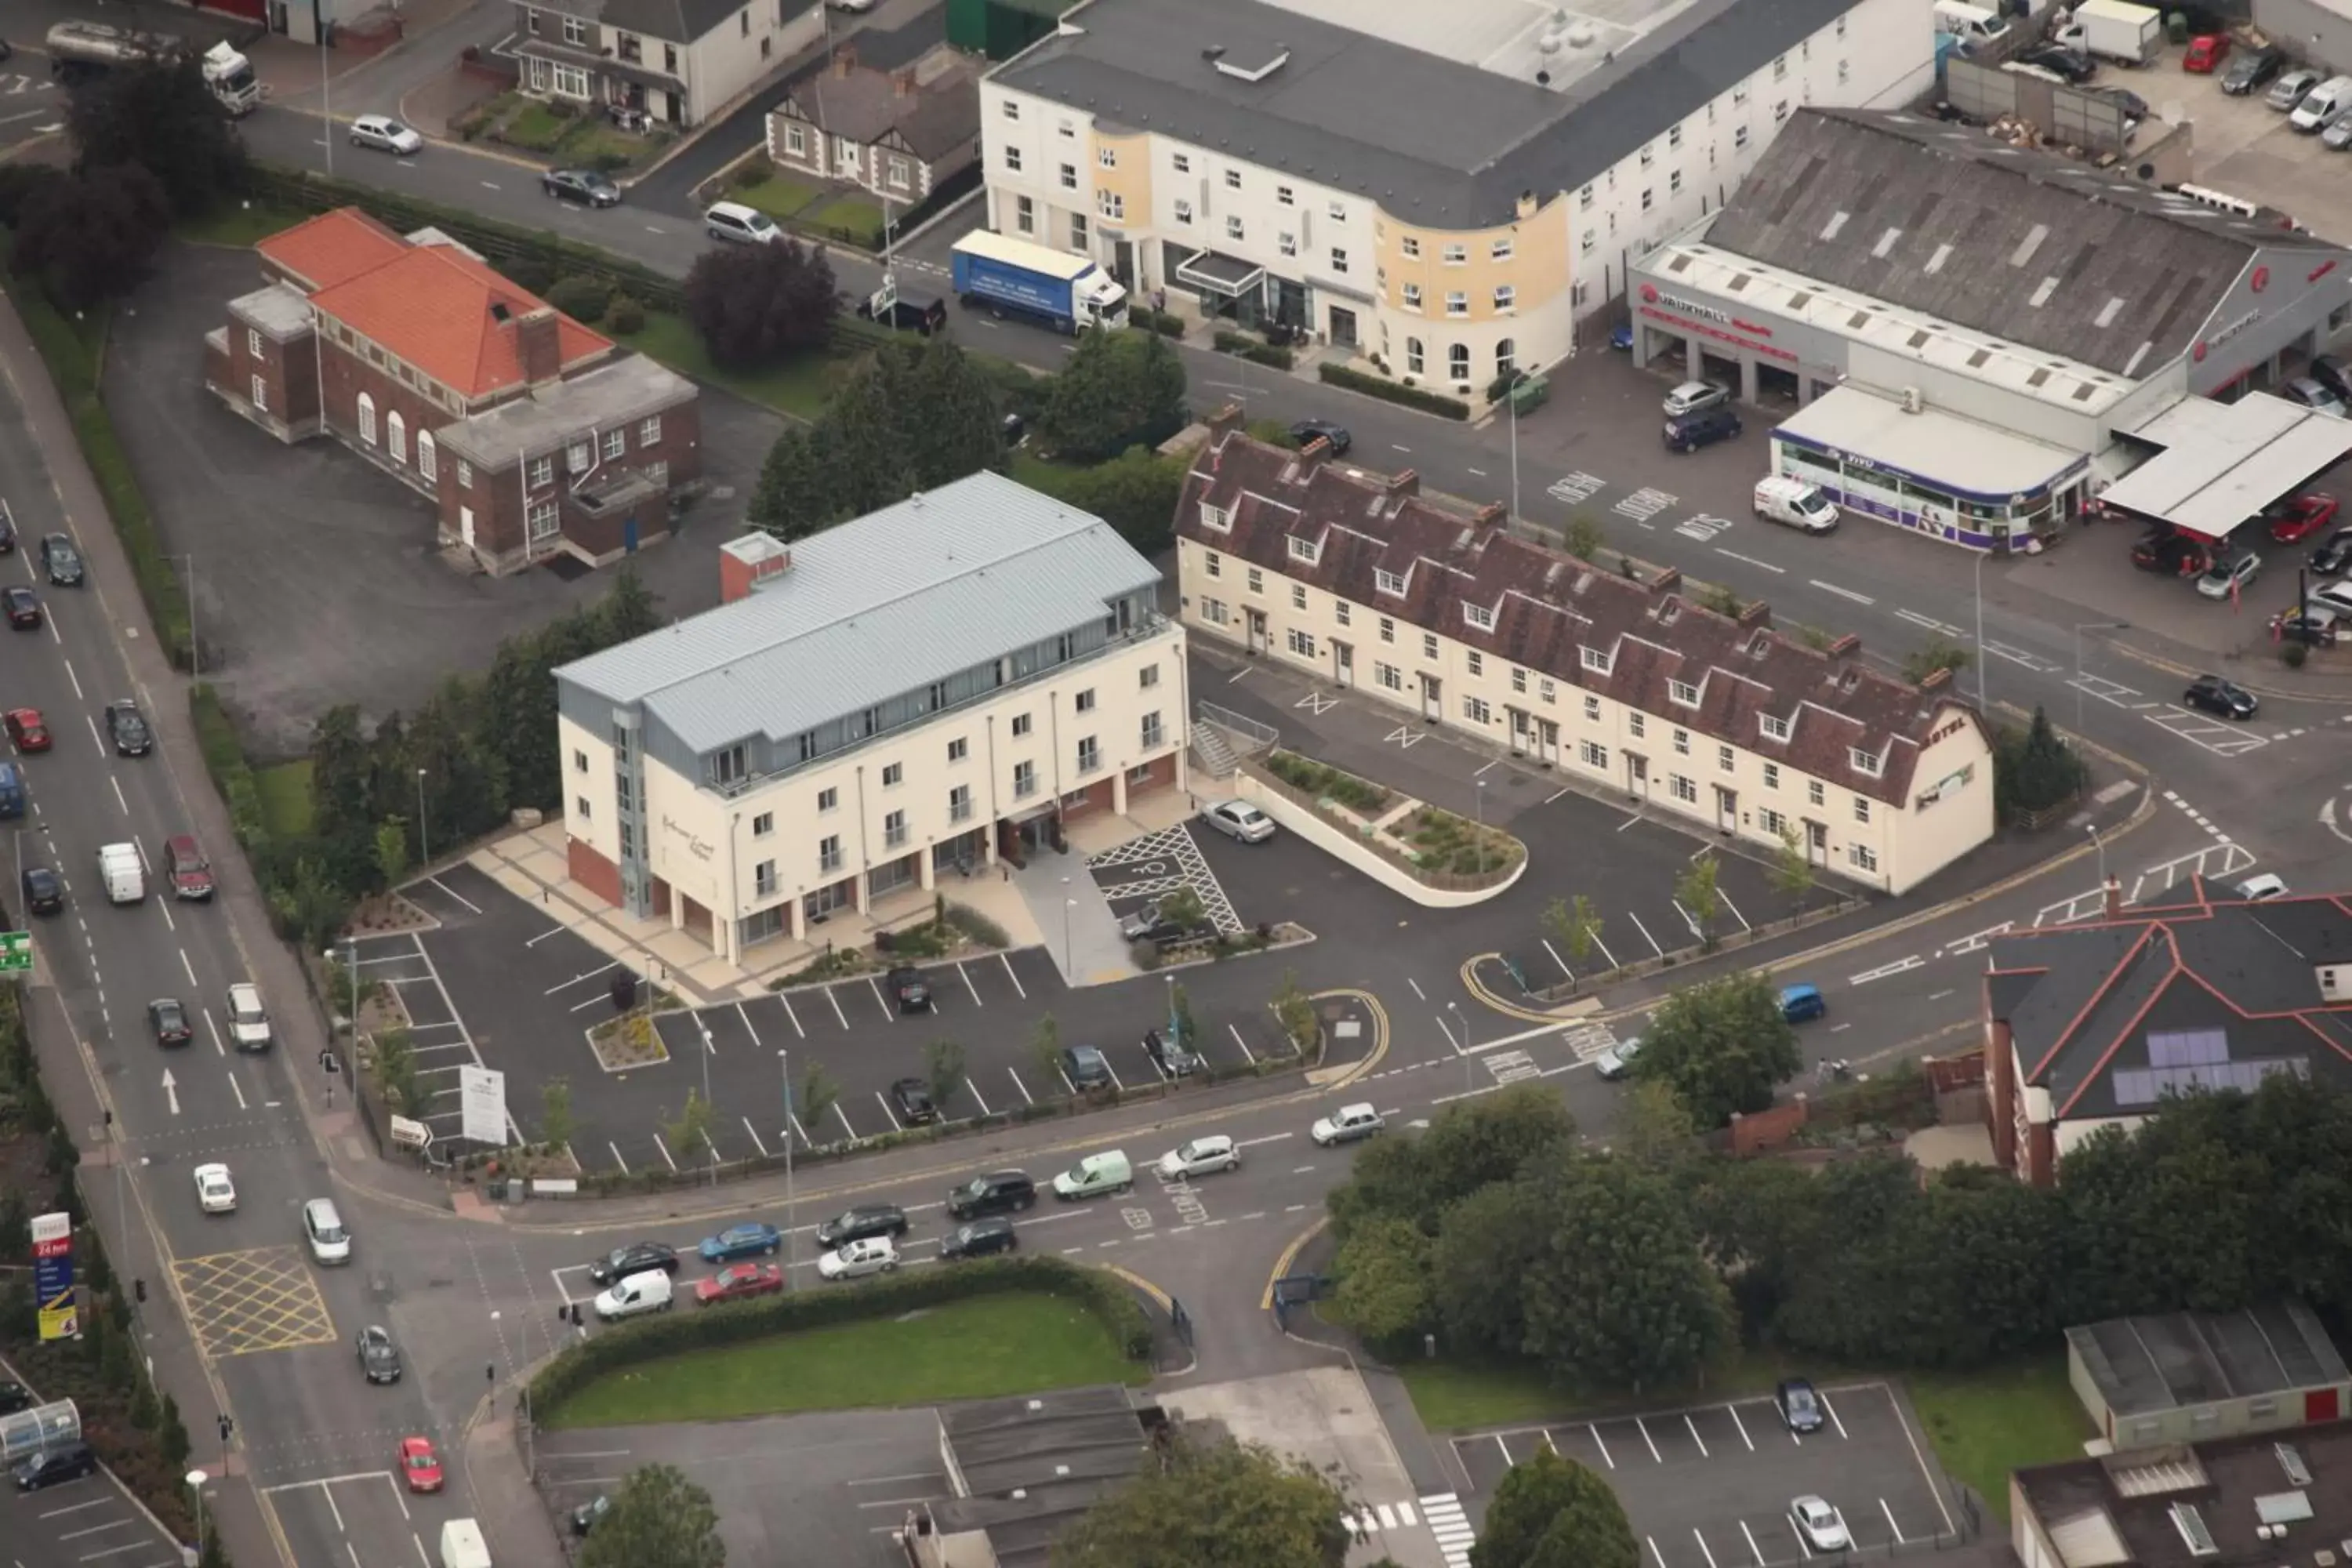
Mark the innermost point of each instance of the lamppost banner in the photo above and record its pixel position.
(53, 1276)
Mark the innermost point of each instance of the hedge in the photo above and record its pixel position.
(887, 1296)
(232, 775)
(1167, 323)
(1381, 387)
(1255, 351)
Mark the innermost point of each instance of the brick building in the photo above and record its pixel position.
(530, 434)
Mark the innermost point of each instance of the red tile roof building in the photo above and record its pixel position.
(531, 435)
(1630, 685)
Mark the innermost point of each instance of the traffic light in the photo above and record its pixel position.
(139, 1291)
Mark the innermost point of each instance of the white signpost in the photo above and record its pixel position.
(482, 1105)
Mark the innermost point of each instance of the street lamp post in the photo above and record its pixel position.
(2088, 627)
(1984, 699)
(1479, 799)
(2092, 829)
(709, 1150)
(195, 654)
(1469, 1079)
(784, 1058)
(424, 834)
(196, 1480)
(1070, 961)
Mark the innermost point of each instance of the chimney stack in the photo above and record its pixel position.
(1488, 516)
(538, 348)
(902, 83)
(1404, 482)
(745, 562)
(844, 57)
(1224, 422)
(2114, 901)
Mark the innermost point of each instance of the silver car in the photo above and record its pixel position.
(1693, 395)
(2338, 134)
(1240, 819)
(2290, 89)
(1822, 1527)
(386, 134)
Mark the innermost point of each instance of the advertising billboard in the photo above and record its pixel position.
(53, 1276)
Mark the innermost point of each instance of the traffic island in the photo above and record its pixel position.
(1430, 856)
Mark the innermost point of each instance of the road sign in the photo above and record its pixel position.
(53, 1276)
(15, 951)
(482, 1105)
(882, 299)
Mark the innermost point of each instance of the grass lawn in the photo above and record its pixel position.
(777, 197)
(284, 797)
(590, 138)
(1453, 1396)
(983, 1348)
(799, 387)
(1986, 1424)
(861, 220)
(241, 225)
(538, 128)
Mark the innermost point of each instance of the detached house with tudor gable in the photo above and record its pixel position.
(531, 435)
(676, 62)
(898, 133)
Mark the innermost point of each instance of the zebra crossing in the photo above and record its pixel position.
(1441, 1514)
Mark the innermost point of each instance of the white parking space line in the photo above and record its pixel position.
(1006, 960)
(1733, 1410)
(1604, 950)
(1900, 1539)
(1027, 1097)
(1734, 909)
(615, 1148)
(793, 1118)
(795, 1018)
(888, 1115)
(844, 1119)
(1067, 1087)
(974, 1089)
(73, 1508)
(576, 979)
(836, 1006)
(887, 1014)
(1252, 1054)
(665, 1151)
(1702, 1546)
(754, 1131)
(1694, 1436)
(968, 985)
(1114, 1074)
(1657, 1556)
(1606, 1457)
(746, 1024)
(1642, 1427)
(1831, 1410)
(1645, 933)
(102, 1529)
(1556, 958)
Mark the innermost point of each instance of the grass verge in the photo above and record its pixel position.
(799, 388)
(779, 197)
(241, 227)
(1985, 1423)
(1458, 1396)
(980, 1348)
(285, 789)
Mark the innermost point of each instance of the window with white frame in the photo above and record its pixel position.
(260, 395)
(1771, 775)
(1388, 676)
(1233, 179)
(1648, 155)
(1477, 661)
(1724, 759)
(1591, 709)
(1024, 214)
(1779, 111)
(1011, 110)
(1593, 754)
(1864, 762)
(1013, 157)
(571, 81)
(1339, 259)
(828, 852)
(1507, 298)
(1412, 356)
(1685, 790)
(1457, 302)
(1506, 356)
(576, 30)
(1413, 297)
(1068, 176)
(1861, 809)
(1772, 727)
(1388, 628)
(763, 879)
(617, 444)
(1637, 724)
(1814, 791)
(1545, 689)
(1674, 182)
(1302, 643)
(1213, 612)
(1863, 857)
(1089, 754)
(1111, 204)
(465, 475)
(1288, 243)
(1739, 138)
(1428, 645)
(1500, 250)
(252, 343)
(1684, 692)
(1147, 677)
(1339, 211)
(1682, 742)
(428, 456)
(1107, 157)
(1297, 596)
(1475, 708)
(1180, 162)
(1183, 210)
(960, 803)
(1341, 611)
(1256, 579)
(1646, 196)
(366, 406)
(1479, 616)
(894, 830)
(1213, 563)
(1588, 242)
(1232, 225)
(544, 523)
(1675, 136)
(1216, 517)
(1771, 821)
(1456, 254)
(795, 139)
(1457, 360)
(649, 430)
(1594, 658)
(1151, 734)
(576, 457)
(1518, 678)
(1410, 247)
(1584, 199)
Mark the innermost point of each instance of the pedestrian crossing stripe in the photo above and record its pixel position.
(1364, 1522)
(1441, 1511)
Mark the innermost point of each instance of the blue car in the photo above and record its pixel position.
(1798, 1003)
(1620, 337)
(739, 1241)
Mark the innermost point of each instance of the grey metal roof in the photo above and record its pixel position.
(623, 392)
(2223, 462)
(679, 21)
(1434, 141)
(878, 606)
(2020, 244)
(2182, 1359)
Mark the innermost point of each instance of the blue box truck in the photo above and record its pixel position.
(1008, 277)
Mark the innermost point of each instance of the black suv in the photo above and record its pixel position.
(2161, 550)
(623, 1261)
(980, 1238)
(2333, 555)
(2249, 68)
(1173, 1059)
(66, 1462)
(60, 561)
(999, 1192)
(127, 727)
(1086, 1068)
(910, 990)
(170, 1021)
(1689, 432)
(45, 891)
(2220, 697)
(857, 1223)
(913, 1098)
(1307, 430)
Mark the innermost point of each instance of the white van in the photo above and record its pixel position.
(462, 1546)
(2321, 104)
(1096, 1175)
(1976, 24)
(1796, 503)
(121, 873)
(646, 1292)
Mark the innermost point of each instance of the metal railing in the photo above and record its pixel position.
(1256, 736)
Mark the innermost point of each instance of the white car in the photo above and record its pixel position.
(2229, 574)
(2259, 889)
(1201, 1157)
(386, 134)
(1347, 1124)
(2337, 596)
(215, 1194)
(1239, 819)
(1617, 1061)
(855, 1259)
(1693, 395)
(1822, 1527)
(248, 1021)
(740, 225)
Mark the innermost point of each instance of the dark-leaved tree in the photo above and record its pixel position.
(1722, 1045)
(1552, 1512)
(91, 235)
(756, 304)
(1118, 390)
(1213, 1505)
(658, 1519)
(162, 118)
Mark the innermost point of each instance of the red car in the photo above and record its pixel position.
(29, 730)
(420, 1467)
(2299, 517)
(192, 874)
(2205, 54)
(739, 1281)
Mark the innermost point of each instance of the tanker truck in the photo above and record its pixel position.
(79, 50)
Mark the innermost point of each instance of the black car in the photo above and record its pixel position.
(1173, 1058)
(45, 891)
(66, 1462)
(60, 561)
(2250, 68)
(2076, 67)
(590, 1514)
(636, 1259)
(2175, 555)
(910, 990)
(999, 1192)
(1800, 1407)
(127, 727)
(980, 1238)
(1689, 432)
(167, 1018)
(13, 1396)
(1307, 431)
(2335, 555)
(857, 1223)
(912, 1096)
(24, 608)
(2221, 698)
(2332, 374)
(379, 1357)
(584, 185)
(1086, 1068)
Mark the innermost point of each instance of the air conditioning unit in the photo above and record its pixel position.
(1912, 402)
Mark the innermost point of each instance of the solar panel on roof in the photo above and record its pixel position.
(2188, 1047)
(2146, 1086)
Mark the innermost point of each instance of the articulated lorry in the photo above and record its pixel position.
(1004, 275)
(78, 50)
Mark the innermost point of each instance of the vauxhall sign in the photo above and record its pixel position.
(1652, 295)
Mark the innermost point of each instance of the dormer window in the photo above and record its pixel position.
(1306, 550)
(1684, 692)
(1594, 659)
(1479, 616)
(1774, 728)
(1868, 764)
(1219, 518)
(1389, 582)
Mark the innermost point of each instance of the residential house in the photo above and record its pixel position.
(899, 134)
(530, 434)
(677, 62)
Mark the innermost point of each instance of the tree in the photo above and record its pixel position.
(691, 1129)
(1584, 539)
(820, 1092)
(344, 815)
(658, 1519)
(556, 1124)
(91, 235)
(1212, 1505)
(172, 1437)
(943, 1071)
(953, 412)
(1697, 891)
(309, 905)
(1932, 656)
(1792, 867)
(755, 304)
(1184, 907)
(1552, 1512)
(214, 1555)
(1722, 1045)
(2037, 771)
(164, 119)
(629, 610)
(1180, 1017)
(392, 851)
(1118, 389)
(395, 1072)
(793, 499)
(1045, 1048)
(1576, 927)
(1657, 1129)
(1479, 1269)
(144, 1411)
(1383, 1270)
(1294, 1011)
(1618, 1295)
(1136, 492)
(115, 1367)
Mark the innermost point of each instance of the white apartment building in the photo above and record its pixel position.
(1443, 189)
(1719, 720)
(940, 683)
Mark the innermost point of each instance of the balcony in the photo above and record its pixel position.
(1089, 759)
(894, 838)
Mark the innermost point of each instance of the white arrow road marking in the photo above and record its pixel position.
(172, 1090)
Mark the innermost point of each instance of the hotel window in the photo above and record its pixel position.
(1302, 643)
(1283, 196)
(1773, 729)
(1183, 212)
(1674, 182)
(1388, 676)
(1089, 755)
(1411, 247)
(1024, 780)
(1388, 629)
(1587, 243)
(1475, 708)
(1341, 611)
(1111, 204)
(1518, 680)
(1637, 724)
(543, 522)
(1864, 762)
(1024, 214)
(1863, 857)
(1723, 758)
(1233, 226)
(960, 803)
(1739, 138)
(1288, 243)
(1011, 110)
(1339, 211)
(1339, 257)
(1256, 580)
(764, 824)
(1479, 616)
(1675, 136)
(1107, 157)
(1069, 176)
(1646, 196)
(1412, 296)
(1216, 564)
(1477, 662)
(1584, 200)
(1457, 304)
(1428, 645)
(1412, 355)
(828, 799)
(1862, 809)
(894, 831)
(1454, 255)
(828, 852)
(1507, 297)
(1684, 692)
(1813, 791)
(1685, 790)
(1020, 725)
(1297, 596)
(958, 749)
(895, 773)
(763, 879)
(1591, 709)
(1682, 742)
(1594, 658)
(1180, 162)
(1771, 775)
(1594, 755)
(1012, 159)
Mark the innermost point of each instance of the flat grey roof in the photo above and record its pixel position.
(2182, 1360)
(2223, 462)
(280, 310)
(1436, 141)
(624, 391)
(1030, 1466)
(2022, 243)
(875, 608)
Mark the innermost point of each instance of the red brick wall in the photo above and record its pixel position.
(501, 513)
(1768, 1129)
(2000, 1092)
(661, 899)
(288, 370)
(592, 872)
(1946, 1075)
(1163, 776)
(1098, 798)
(345, 375)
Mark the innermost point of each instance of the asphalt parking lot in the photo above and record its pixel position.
(1710, 1486)
(796, 1489)
(31, 105)
(2243, 147)
(504, 983)
(87, 1520)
